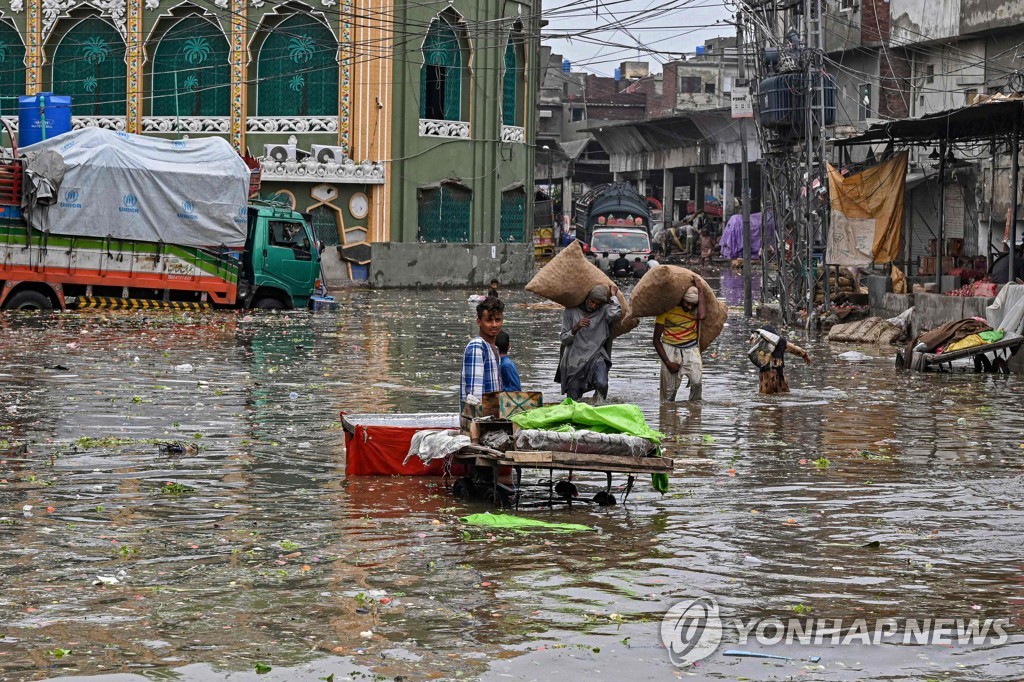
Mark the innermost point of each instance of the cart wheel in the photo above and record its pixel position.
(503, 501)
(566, 490)
(463, 488)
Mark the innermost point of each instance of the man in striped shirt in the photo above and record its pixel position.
(481, 365)
(676, 338)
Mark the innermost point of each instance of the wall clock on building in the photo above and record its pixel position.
(359, 205)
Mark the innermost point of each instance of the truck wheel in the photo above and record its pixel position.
(28, 300)
(269, 303)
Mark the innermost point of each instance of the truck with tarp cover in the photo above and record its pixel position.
(614, 219)
(97, 218)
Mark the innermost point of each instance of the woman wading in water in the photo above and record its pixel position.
(769, 354)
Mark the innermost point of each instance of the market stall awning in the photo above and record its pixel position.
(985, 121)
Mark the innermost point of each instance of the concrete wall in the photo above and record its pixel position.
(917, 21)
(934, 310)
(853, 70)
(989, 15)
(397, 265)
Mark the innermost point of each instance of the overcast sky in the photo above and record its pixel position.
(664, 28)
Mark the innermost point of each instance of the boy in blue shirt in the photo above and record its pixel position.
(509, 373)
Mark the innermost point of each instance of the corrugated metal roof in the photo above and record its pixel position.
(573, 148)
(978, 122)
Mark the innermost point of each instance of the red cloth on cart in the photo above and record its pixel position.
(379, 451)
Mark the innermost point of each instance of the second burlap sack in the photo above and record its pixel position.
(662, 288)
(569, 277)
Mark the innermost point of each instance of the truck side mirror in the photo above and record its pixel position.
(320, 246)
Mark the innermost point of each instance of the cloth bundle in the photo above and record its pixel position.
(764, 345)
(585, 442)
(431, 445)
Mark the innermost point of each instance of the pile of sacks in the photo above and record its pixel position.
(569, 277)
(840, 288)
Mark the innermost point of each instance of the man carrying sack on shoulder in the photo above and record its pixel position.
(585, 336)
(676, 336)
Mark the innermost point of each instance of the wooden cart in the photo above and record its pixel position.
(1002, 351)
(485, 465)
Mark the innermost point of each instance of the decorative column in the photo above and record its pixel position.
(33, 47)
(369, 130)
(345, 79)
(134, 66)
(239, 53)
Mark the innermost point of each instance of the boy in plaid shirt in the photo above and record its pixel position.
(481, 364)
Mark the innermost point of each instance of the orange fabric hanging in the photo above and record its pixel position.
(867, 213)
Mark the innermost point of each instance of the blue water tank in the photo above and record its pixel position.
(700, 50)
(618, 74)
(33, 109)
(566, 66)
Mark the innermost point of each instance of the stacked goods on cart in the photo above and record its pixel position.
(570, 426)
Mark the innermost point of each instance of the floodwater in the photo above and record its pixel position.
(261, 554)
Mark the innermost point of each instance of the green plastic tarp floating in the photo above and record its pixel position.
(520, 524)
(569, 414)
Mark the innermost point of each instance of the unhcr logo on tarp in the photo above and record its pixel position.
(70, 199)
(68, 145)
(188, 211)
(243, 215)
(131, 204)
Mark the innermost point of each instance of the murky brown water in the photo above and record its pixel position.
(269, 555)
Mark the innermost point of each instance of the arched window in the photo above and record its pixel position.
(442, 73)
(297, 70)
(12, 69)
(513, 215)
(88, 64)
(512, 82)
(191, 73)
(444, 213)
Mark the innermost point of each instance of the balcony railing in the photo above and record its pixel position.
(432, 128)
(513, 134)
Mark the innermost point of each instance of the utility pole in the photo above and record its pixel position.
(748, 296)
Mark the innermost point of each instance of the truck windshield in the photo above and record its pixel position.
(288, 234)
(620, 241)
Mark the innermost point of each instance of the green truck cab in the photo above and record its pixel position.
(281, 260)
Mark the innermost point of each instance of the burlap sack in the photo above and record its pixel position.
(662, 288)
(569, 277)
(899, 281)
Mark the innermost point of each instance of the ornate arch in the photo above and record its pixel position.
(88, 63)
(54, 10)
(297, 65)
(445, 73)
(190, 72)
(12, 63)
(513, 78)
